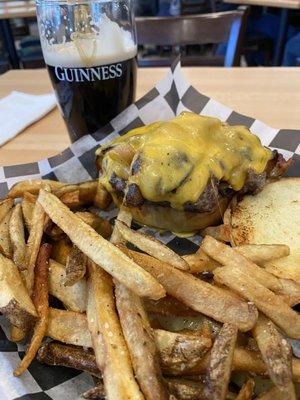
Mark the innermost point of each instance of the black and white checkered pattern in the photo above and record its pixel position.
(169, 97)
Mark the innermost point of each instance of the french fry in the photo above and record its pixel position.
(16, 334)
(5, 206)
(61, 251)
(198, 295)
(33, 187)
(262, 253)
(220, 363)
(53, 231)
(179, 350)
(71, 328)
(151, 246)
(204, 325)
(277, 355)
(296, 369)
(290, 291)
(287, 267)
(72, 200)
(243, 360)
(200, 262)
(258, 254)
(126, 346)
(15, 302)
(272, 394)
(218, 232)
(251, 361)
(17, 237)
(246, 391)
(33, 245)
(168, 306)
(186, 370)
(266, 301)
(226, 255)
(140, 341)
(75, 267)
(138, 333)
(68, 327)
(5, 243)
(32, 198)
(27, 210)
(96, 393)
(87, 191)
(102, 198)
(99, 250)
(56, 353)
(73, 297)
(206, 330)
(66, 189)
(40, 300)
(184, 389)
(124, 216)
(78, 195)
(98, 344)
(118, 376)
(100, 225)
(130, 348)
(248, 360)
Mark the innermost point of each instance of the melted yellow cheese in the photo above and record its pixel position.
(179, 157)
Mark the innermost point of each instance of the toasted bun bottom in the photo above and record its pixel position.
(184, 222)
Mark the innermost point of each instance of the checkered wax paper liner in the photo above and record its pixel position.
(168, 98)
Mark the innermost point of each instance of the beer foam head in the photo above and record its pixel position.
(111, 44)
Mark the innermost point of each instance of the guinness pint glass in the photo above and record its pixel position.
(90, 50)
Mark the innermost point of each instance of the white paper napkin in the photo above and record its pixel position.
(18, 110)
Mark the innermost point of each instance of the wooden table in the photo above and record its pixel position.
(284, 16)
(8, 11)
(269, 94)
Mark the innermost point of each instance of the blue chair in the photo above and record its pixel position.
(30, 53)
(291, 56)
(146, 8)
(189, 7)
(4, 65)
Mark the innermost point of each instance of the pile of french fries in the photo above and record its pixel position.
(117, 310)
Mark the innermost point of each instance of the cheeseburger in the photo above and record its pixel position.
(180, 175)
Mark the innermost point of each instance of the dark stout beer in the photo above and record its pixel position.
(89, 97)
(93, 72)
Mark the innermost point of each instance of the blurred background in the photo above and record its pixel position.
(205, 32)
